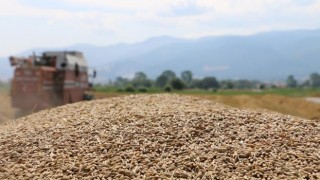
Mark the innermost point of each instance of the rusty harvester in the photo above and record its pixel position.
(52, 79)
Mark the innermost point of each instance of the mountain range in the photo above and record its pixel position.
(269, 56)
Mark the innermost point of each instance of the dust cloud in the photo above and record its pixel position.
(7, 113)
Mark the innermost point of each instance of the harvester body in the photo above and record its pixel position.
(52, 79)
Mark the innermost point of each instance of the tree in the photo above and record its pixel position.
(209, 82)
(291, 82)
(140, 76)
(245, 84)
(140, 79)
(196, 83)
(315, 80)
(227, 84)
(306, 83)
(121, 82)
(169, 74)
(165, 78)
(177, 84)
(162, 81)
(186, 77)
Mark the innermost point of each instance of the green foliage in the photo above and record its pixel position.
(141, 79)
(227, 84)
(196, 83)
(121, 82)
(306, 83)
(209, 83)
(162, 81)
(165, 78)
(245, 84)
(314, 80)
(105, 88)
(169, 74)
(140, 76)
(141, 83)
(130, 89)
(187, 77)
(291, 82)
(177, 84)
(142, 89)
(167, 89)
(261, 86)
(291, 92)
(120, 90)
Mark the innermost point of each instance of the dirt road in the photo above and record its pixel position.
(313, 99)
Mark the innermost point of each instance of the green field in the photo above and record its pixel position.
(278, 91)
(292, 92)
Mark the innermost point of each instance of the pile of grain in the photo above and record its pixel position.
(159, 137)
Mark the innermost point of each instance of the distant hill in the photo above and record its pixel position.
(263, 56)
(266, 56)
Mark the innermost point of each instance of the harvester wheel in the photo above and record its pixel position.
(88, 97)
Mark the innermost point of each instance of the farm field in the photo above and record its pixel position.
(289, 102)
(285, 101)
(296, 106)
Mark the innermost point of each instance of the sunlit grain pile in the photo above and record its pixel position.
(159, 137)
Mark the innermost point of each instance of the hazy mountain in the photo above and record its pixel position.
(98, 55)
(265, 56)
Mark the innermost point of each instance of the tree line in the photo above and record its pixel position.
(169, 80)
(312, 82)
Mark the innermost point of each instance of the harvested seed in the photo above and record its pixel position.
(159, 137)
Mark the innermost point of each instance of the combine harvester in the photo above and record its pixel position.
(49, 80)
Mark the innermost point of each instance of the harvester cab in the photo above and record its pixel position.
(52, 79)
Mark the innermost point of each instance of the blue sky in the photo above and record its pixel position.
(26, 24)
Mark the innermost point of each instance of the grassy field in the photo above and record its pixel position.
(292, 92)
(280, 91)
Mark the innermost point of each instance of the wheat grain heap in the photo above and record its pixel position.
(159, 137)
